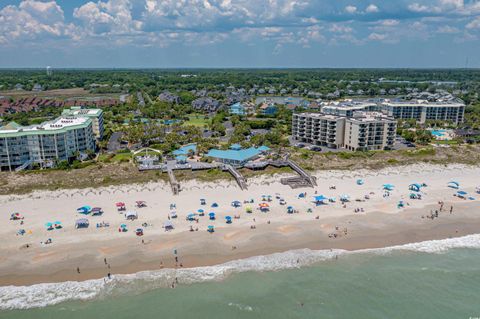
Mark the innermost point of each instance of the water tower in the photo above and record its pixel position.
(49, 70)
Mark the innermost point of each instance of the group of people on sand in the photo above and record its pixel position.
(338, 233)
(435, 213)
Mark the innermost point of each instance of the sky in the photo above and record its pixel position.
(240, 33)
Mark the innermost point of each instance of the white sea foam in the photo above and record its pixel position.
(41, 295)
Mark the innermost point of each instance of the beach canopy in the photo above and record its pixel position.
(415, 187)
(263, 205)
(236, 203)
(82, 223)
(461, 193)
(453, 184)
(388, 187)
(131, 215)
(168, 225)
(320, 198)
(191, 216)
(344, 198)
(84, 209)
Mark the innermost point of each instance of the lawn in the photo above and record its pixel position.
(197, 120)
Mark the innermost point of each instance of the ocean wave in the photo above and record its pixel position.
(42, 295)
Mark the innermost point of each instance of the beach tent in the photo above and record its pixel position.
(461, 194)
(388, 187)
(301, 195)
(202, 201)
(210, 229)
(173, 214)
(120, 206)
(214, 205)
(84, 210)
(319, 199)
(344, 198)
(360, 181)
(211, 216)
(236, 203)
(82, 223)
(290, 210)
(132, 215)
(97, 211)
(168, 225)
(454, 185)
(228, 219)
(264, 207)
(415, 187)
(191, 217)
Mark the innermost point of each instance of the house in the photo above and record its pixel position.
(268, 109)
(237, 109)
(168, 97)
(206, 104)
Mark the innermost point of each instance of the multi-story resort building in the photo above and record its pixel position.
(46, 143)
(96, 115)
(361, 131)
(414, 109)
(423, 110)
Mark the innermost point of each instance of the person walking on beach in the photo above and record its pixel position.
(451, 209)
(78, 269)
(105, 260)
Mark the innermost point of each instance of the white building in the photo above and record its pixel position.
(46, 143)
(96, 115)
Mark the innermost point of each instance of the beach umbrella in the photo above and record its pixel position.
(211, 216)
(360, 182)
(263, 205)
(301, 195)
(48, 225)
(236, 203)
(453, 184)
(290, 209)
(200, 211)
(248, 209)
(228, 219)
(415, 187)
(210, 229)
(345, 198)
(214, 205)
(320, 198)
(191, 216)
(123, 226)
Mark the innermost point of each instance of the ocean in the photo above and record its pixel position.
(434, 279)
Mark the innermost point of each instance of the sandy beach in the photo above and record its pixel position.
(379, 223)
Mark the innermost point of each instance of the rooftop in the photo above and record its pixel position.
(59, 125)
(237, 155)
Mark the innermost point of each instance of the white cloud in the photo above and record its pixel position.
(33, 19)
(446, 29)
(377, 36)
(474, 24)
(372, 9)
(338, 28)
(350, 9)
(416, 7)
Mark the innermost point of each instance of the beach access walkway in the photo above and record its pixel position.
(241, 181)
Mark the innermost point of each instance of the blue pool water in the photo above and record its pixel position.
(438, 132)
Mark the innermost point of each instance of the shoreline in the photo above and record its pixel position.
(312, 237)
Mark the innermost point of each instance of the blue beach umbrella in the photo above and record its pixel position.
(228, 219)
(211, 216)
(210, 229)
(214, 205)
(48, 225)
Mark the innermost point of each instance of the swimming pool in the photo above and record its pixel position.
(438, 133)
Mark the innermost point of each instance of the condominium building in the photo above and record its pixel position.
(46, 143)
(369, 131)
(423, 110)
(96, 115)
(361, 131)
(413, 109)
(319, 129)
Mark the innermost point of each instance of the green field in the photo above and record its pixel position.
(197, 120)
